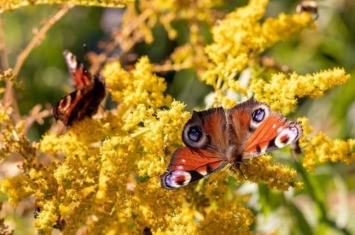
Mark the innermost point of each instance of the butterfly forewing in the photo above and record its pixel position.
(79, 74)
(202, 126)
(242, 126)
(262, 139)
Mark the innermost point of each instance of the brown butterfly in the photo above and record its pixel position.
(217, 137)
(83, 102)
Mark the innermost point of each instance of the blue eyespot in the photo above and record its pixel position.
(258, 115)
(194, 134)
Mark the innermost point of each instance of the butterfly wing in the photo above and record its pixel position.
(274, 133)
(79, 74)
(80, 103)
(257, 130)
(205, 136)
(188, 165)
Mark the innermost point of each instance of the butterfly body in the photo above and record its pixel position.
(216, 137)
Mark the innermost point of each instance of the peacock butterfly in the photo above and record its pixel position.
(85, 100)
(217, 137)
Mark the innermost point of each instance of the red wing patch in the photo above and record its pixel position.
(188, 165)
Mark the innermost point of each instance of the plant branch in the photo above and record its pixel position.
(9, 96)
(3, 53)
(39, 36)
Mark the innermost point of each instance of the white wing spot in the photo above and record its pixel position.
(180, 168)
(177, 179)
(204, 173)
(279, 129)
(263, 150)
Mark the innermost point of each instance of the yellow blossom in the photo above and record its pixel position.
(236, 220)
(281, 91)
(321, 149)
(274, 176)
(240, 37)
(139, 86)
(11, 186)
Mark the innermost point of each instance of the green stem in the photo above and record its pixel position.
(315, 195)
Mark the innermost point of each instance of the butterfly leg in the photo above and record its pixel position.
(236, 166)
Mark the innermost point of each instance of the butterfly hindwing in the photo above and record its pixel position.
(80, 103)
(188, 165)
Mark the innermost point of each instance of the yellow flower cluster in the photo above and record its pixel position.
(236, 220)
(15, 144)
(11, 186)
(274, 176)
(282, 91)
(320, 149)
(240, 38)
(136, 88)
(195, 12)
(47, 217)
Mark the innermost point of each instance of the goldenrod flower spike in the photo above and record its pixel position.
(240, 38)
(282, 91)
(320, 149)
(139, 86)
